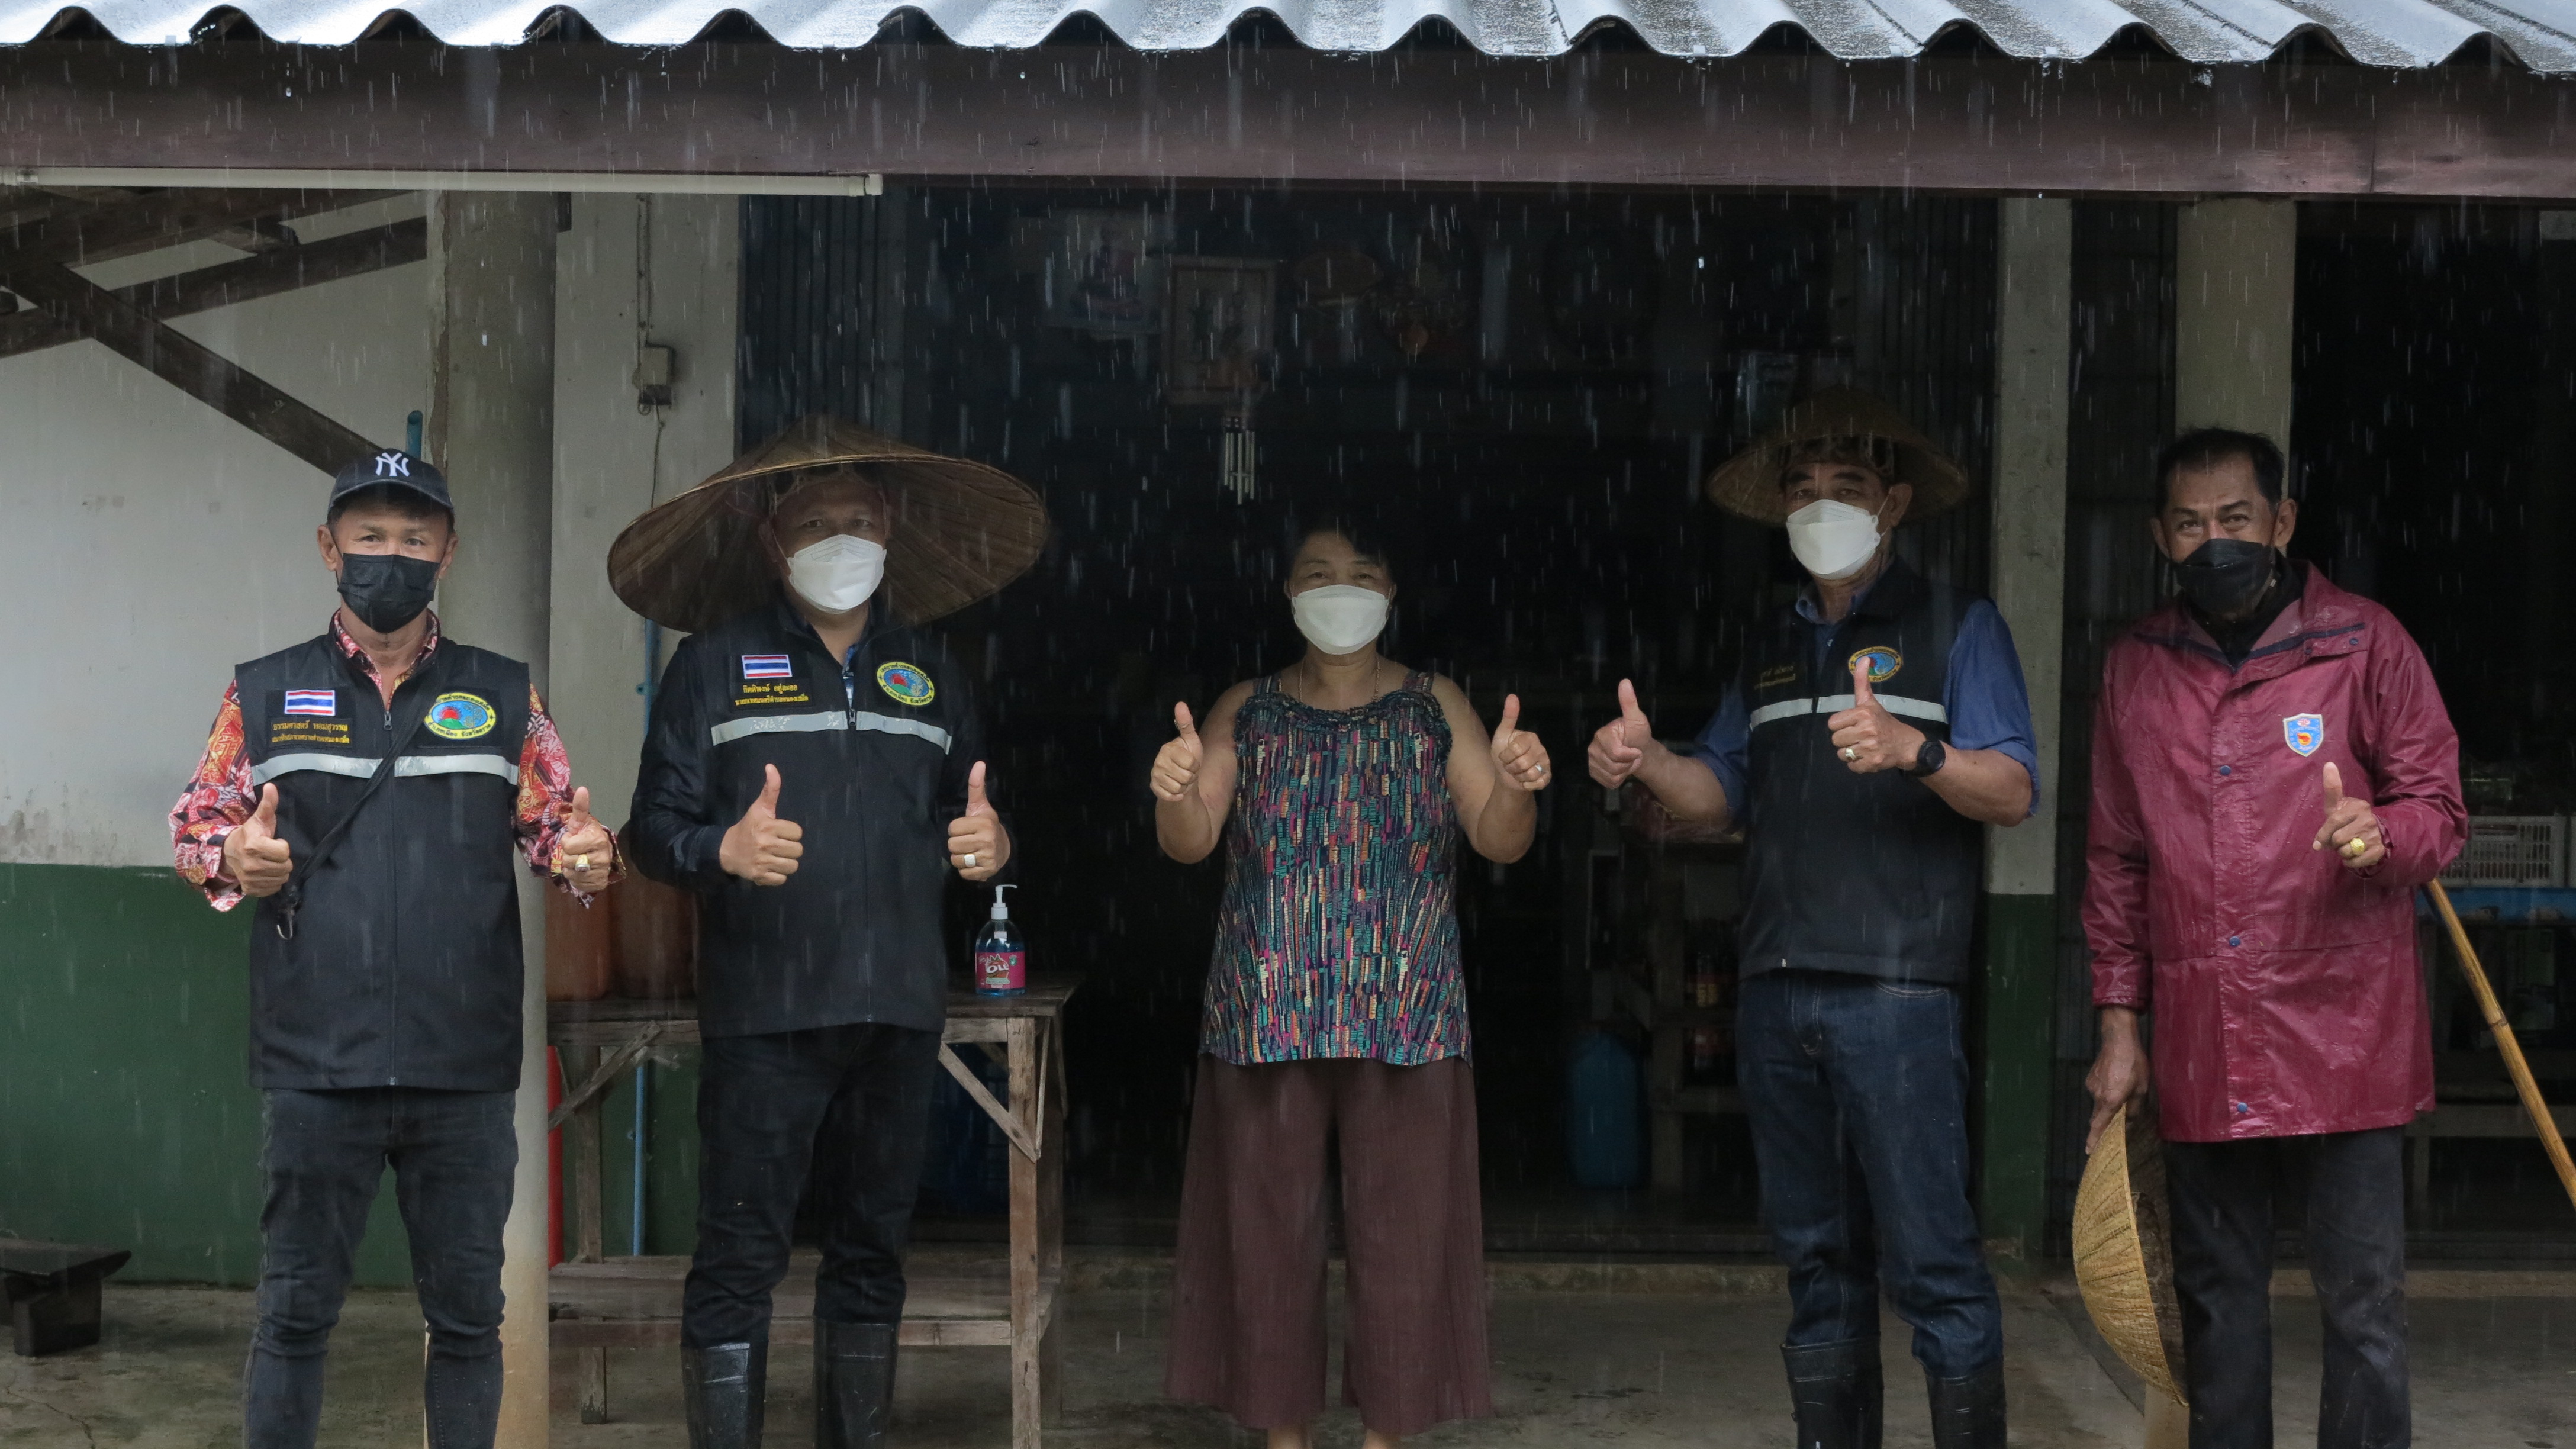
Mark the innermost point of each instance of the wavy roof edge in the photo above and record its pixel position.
(2540, 35)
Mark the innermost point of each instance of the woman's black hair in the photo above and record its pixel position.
(1362, 533)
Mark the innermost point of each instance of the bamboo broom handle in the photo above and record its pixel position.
(2550, 1141)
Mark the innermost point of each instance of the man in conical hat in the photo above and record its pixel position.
(1872, 731)
(815, 773)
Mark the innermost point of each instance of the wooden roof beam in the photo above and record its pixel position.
(90, 310)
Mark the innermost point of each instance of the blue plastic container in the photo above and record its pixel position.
(1604, 1113)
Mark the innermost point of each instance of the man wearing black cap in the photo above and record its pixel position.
(366, 788)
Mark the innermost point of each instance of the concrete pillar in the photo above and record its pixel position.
(2033, 348)
(490, 427)
(2236, 266)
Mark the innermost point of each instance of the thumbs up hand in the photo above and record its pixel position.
(254, 854)
(1620, 746)
(585, 855)
(1518, 756)
(977, 844)
(760, 847)
(1176, 765)
(2351, 830)
(1867, 739)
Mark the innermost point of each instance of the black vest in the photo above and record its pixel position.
(872, 765)
(405, 967)
(1869, 874)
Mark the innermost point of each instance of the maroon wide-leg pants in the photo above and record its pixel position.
(1248, 1292)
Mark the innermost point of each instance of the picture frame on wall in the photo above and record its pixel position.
(1219, 330)
(1103, 270)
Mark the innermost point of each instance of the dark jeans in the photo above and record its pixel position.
(2223, 1194)
(1857, 1092)
(453, 1156)
(853, 1104)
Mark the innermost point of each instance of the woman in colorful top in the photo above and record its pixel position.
(1335, 1008)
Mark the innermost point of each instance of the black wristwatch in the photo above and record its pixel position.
(1928, 759)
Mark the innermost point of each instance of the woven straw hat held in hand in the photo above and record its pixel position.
(2124, 1252)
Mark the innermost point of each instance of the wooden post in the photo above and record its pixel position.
(1027, 1430)
(582, 1154)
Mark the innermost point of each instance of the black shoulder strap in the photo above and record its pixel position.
(290, 898)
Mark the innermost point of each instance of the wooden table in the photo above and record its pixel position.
(596, 1304)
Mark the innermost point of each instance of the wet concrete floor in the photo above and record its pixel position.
(1694, 1365)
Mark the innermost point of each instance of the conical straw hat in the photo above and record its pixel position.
(962, 530)
(2124, 1253)
(1749, 483)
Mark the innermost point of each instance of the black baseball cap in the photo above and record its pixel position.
(393, 468)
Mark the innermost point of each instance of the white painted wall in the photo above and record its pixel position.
(2236, 271)
(148, 544)
(612, 461)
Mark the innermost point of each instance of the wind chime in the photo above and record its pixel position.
(1240, 451)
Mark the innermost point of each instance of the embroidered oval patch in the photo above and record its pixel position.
(1883, 662)
(906, 683)
(461, 717)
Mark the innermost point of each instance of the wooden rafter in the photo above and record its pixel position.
(90, 310)
(227, 283)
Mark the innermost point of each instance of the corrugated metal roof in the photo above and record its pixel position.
(2539, 33)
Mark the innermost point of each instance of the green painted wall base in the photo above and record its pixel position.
(2020, 997)
(126, 1117)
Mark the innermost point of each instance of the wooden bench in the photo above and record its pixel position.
(53, 1293)
(596, 1303)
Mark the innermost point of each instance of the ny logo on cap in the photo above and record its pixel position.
(393, 465)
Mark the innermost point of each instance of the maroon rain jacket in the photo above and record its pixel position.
(2285, 988)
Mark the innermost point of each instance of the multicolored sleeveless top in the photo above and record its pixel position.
(1338, 936)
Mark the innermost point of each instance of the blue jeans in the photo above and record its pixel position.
(1857, 1092)
(454, 1156)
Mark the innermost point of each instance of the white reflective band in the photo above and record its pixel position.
(779, 724)
(893, 726)
(358, 767)
(1922, 709)
(276, 765)
(457, 765)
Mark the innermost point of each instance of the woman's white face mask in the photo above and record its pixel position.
(838, 574)
(1832, 539)
(1340, 618)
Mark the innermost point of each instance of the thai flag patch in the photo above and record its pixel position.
(324, 702)
(766, 666)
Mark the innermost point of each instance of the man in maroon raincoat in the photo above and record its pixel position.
(2273, 776)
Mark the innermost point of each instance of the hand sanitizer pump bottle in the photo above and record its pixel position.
(1001, 953)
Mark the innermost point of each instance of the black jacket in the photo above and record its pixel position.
(872, 762)
(405, 968)
(1870, 874)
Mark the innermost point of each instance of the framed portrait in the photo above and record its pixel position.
(1218, 330)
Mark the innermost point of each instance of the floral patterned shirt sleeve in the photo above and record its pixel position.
(219, 797)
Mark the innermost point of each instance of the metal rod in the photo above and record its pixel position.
(657, 183)
(2532, 1102)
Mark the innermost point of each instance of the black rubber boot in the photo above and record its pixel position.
(853, 1384)
(722, 1387)
(1968, 1413)
(1836, 1391)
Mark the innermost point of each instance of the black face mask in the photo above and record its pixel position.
(2225, 576)
(386, 590)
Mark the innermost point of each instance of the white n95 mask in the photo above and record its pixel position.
(1833, 539)
(1340, 618)
(838, 574)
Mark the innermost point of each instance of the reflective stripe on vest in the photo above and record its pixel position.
(828, 720)
(1923, 709)
(359, 767)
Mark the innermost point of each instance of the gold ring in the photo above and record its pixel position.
(1850, 754)
(2356, 847)
(581, 861)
